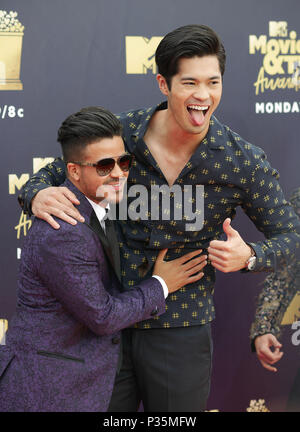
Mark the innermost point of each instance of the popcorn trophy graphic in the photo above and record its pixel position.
(11, 38)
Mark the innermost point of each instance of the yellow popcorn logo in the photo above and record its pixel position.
(140, 54)
(11, 38)
(258, 406)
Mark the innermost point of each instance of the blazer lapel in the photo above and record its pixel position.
(111, 235)
(109, 241)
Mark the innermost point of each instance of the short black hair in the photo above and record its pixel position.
(186, 42)
(85, 127)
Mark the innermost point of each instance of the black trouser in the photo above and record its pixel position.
(167, 369)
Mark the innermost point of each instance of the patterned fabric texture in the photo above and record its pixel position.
(233, 172)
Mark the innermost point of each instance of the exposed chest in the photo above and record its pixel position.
(170, 163)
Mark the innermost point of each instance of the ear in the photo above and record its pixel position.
(73, 171)
(162, 84)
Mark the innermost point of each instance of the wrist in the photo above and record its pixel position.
(163, 284)
(251, 260)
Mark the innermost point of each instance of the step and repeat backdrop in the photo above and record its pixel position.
(57, 57)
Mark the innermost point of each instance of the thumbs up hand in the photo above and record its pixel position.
(230, 255)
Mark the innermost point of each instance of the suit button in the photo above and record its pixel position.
(115, 340)
(154, 312)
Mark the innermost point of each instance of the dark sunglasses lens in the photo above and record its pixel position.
(125, 162)
(105, 166)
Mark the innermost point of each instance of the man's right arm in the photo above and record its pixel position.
(78, 285)
(41, 192)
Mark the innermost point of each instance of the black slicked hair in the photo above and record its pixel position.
(85, 127)
(187, 42)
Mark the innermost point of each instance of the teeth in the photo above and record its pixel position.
(198, 108)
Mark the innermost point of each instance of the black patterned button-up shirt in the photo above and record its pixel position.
(233, 173)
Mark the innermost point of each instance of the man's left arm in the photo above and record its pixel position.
(266, 206)
(279, 288)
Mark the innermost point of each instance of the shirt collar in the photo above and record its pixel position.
(144, 121)
(99, 210)
(214, 137)
(216, 134)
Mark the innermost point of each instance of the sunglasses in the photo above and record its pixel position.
(105, 166)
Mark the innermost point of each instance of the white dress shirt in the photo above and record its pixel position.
(101, 213)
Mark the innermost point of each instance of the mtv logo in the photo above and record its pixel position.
(3, 328)
(140, 54)
(278, 28)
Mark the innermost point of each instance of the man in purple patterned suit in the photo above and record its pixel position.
(63, 343)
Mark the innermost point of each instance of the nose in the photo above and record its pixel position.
(116, 172)
(201, 92)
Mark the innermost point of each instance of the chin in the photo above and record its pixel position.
(109, 193)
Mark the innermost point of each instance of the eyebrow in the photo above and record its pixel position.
(195, 79)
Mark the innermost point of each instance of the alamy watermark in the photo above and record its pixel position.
(3, 328)
(296, 335)
(157, 203)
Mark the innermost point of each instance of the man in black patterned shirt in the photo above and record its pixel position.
(167, 362)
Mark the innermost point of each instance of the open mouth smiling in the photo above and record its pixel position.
(197, 113)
